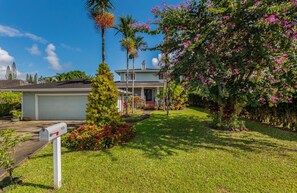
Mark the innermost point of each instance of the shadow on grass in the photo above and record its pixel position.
(162, 136)
(41, 186)
(271, 131)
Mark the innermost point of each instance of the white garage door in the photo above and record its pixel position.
(64, 107)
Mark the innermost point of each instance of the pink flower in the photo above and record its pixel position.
(272, 18)
(236, 71)
(280, 60)
(226, 17)
(187, 44)
(274, 99)
(285, 55)
(257, 4)
(209, 5)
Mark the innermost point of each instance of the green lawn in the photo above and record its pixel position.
(176, 154)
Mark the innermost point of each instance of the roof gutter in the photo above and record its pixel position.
(55, 90)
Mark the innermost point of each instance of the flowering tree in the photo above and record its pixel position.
(235, 51)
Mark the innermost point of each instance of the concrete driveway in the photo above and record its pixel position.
(31, 129)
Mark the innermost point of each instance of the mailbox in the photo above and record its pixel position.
(52, 132)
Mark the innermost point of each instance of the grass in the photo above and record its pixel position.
(176, 154)
(133, 117)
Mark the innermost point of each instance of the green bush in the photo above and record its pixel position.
(9, 101)
(9, 141)
(102, 100)
(16, 114)
(89, 137)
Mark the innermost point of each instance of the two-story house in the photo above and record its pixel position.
(147, 83)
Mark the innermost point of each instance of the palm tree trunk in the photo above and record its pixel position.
(133, 77)
(127, 78)
(103, 44)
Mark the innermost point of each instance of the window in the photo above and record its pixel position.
(130, 76)
(161, 76)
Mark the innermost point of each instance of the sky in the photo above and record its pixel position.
(54, 36)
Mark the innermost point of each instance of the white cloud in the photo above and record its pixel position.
(5, 60)
(52, 57)
(12, 32)
(155, 63)
(70, 47)
(34, 50)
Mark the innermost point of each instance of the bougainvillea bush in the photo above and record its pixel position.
(236, 52)
(88, 137)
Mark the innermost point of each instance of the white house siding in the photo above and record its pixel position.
(142, 76)
(146, 77)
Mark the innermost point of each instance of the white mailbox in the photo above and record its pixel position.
(52, 132)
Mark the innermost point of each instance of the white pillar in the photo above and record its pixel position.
(142, 93)
(157, 98)
(57, 163)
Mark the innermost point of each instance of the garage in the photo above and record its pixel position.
(61, 107)
(66, 100)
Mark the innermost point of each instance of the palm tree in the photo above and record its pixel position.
(139, 45)
(128, 43)
(99, 11)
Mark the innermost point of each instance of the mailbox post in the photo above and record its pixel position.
(53, 133)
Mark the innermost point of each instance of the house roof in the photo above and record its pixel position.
(69, 85)
(120, 84)
(12, 83)
(138, 70)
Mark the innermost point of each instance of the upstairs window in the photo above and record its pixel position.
(130, 76)
(161, 76)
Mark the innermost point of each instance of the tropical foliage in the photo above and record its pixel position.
(127, 43)
(89, 137)
(71, 75)
(99, 11)
(9, 101)
(9, 141)
(102, 101)
(236, 52)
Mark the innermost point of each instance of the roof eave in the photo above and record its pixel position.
(56, 90)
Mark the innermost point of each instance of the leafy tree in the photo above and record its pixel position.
(71, 75)
(99, 11)
(235, 51)
(14, 71)
(30, 78)
(128, 43)
(35, 80)
(9, 101)
(102, 102)
(8, 74)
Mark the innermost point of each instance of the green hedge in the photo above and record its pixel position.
(9, 101)
(283, 115)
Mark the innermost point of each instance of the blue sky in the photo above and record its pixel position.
(54, 36)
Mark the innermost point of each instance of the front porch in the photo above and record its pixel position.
(147, 90)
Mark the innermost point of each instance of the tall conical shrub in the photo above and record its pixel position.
(102, 101)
